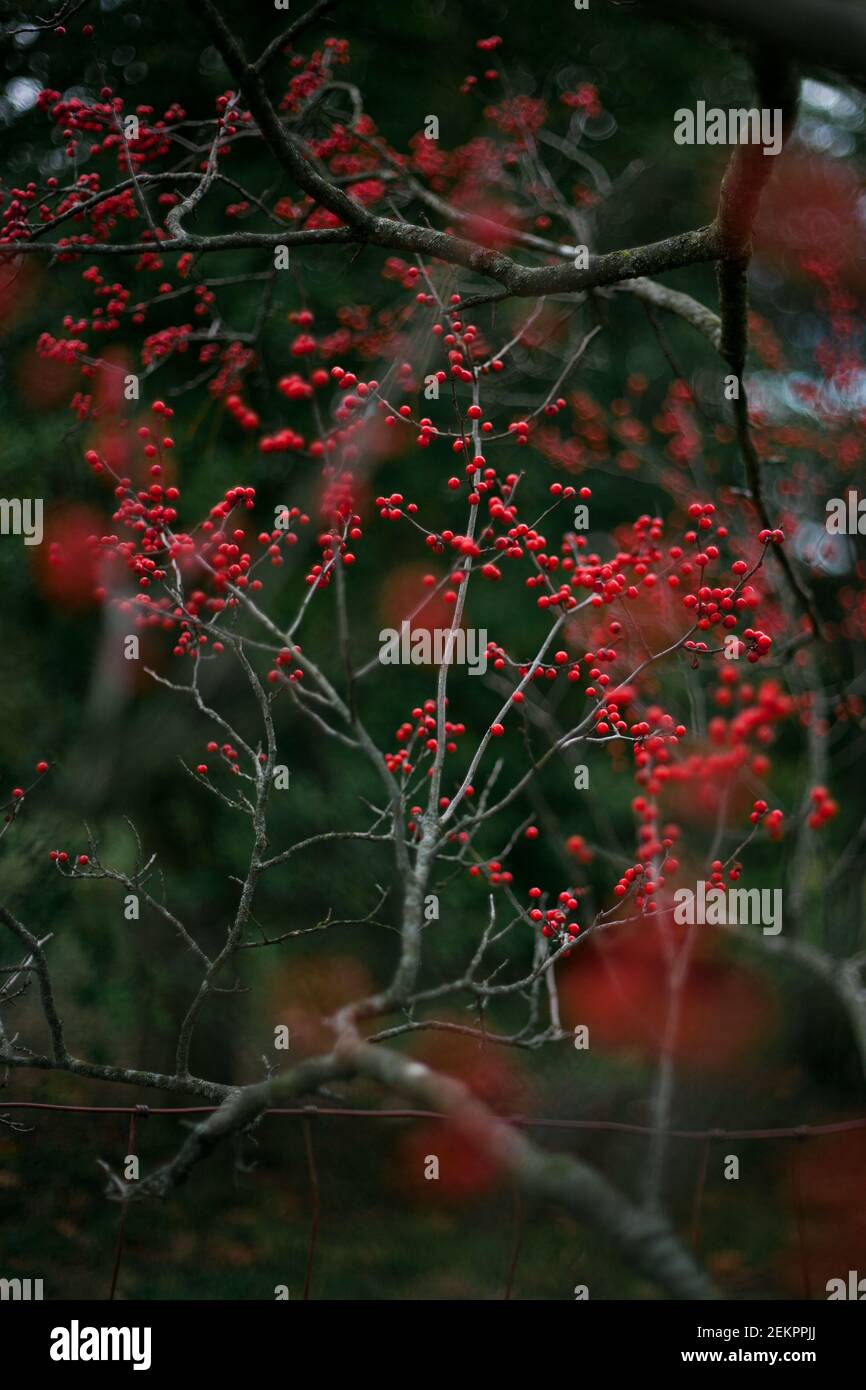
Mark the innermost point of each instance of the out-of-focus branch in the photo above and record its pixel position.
(642, 1240)
(845, 978)
(748, 171)
(239, 1110)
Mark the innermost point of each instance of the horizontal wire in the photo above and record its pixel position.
(520, 1121)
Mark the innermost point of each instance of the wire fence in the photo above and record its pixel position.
(307, 1113)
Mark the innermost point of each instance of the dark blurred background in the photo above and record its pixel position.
(765, 1044)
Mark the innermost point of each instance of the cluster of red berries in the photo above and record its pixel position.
(556, 919)
(421, 733)
(824, 808)
(706, 579)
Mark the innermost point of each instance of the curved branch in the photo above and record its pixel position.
(642, 1240)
